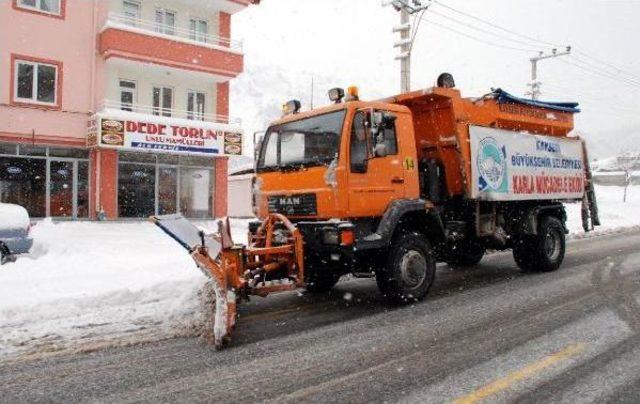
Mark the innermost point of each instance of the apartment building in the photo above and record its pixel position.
(117, 108)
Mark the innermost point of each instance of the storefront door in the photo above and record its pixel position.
(63, 188)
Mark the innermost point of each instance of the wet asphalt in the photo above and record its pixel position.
(489, 333)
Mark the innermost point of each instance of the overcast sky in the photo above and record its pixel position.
(345, 42)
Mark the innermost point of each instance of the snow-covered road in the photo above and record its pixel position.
(88, 285)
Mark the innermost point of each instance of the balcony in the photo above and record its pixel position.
(151, 42)
(168, 113)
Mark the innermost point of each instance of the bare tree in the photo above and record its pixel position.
(627, 162)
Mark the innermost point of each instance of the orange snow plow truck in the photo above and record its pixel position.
(387, 188)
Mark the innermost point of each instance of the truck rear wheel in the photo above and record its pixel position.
(544, 251)
(410, 269)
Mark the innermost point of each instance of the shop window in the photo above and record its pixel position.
(61, 178)
(196, 161)
(83, 189)
(196, 192)
(167, 190)
(133, 157)
(8, 149)
(136, 190)
(23, 182)
(69, 153)
(36, 82)
(28, 150)
(43, 6)
(168, 159)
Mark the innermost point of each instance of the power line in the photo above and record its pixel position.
(607, 64)
(631, 76)
(467, 25)
(600, 73)
(609, 73)
(475, 38)
(489, 23)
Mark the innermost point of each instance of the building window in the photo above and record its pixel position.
(165, 22)
(198, 29)
(195, 105)
(131, 12)
(162, 101)
(127, 95)
(36, 82)
(42, 6)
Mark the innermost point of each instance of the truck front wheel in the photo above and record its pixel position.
(544, 251)
(410, 269)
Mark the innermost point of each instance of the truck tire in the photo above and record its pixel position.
(465, 255)
(410, 269)
(320, 281)
(543, 252)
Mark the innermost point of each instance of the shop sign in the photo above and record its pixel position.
(92, 132)
(174, 138)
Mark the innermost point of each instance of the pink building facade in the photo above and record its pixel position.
(117, 108)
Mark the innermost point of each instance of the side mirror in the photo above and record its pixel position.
(381, 150)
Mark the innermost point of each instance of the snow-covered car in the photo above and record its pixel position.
(14, 231)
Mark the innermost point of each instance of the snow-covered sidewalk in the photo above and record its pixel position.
(87, 285)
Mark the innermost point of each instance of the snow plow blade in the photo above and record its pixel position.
(271, 262)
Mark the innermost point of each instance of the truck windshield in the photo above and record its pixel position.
(307, 142)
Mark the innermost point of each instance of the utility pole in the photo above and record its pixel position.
(407, 36)
(534, 83)
(405, 53)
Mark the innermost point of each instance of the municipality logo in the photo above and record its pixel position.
(492, 166)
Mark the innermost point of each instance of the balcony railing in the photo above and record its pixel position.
(167, 112)
(173, 32)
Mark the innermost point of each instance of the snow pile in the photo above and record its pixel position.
(614, 214)
(88, 284)
(13, 217)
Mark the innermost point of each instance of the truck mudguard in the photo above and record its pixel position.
(414, 213)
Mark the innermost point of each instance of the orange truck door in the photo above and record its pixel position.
(373, 181)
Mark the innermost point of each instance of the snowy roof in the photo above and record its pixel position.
(240, 165)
